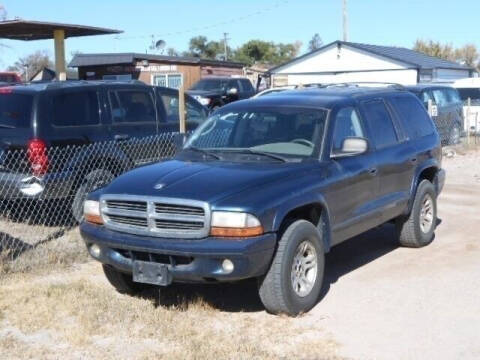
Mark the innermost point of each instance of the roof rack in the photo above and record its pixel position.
(360, 83)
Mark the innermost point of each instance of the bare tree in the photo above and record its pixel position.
(29, 65)
(468, 54)
(315, 43)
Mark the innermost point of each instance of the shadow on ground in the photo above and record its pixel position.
(243, 296)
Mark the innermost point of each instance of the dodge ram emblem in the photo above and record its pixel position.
(159, 186)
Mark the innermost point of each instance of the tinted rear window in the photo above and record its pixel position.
(15, 110)
(380, 124)
(413, 115)
(75, 109)
(473, 94)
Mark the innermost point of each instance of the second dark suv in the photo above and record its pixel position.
(266, 187)
(44, 130)
(215, 92)
(447, 109)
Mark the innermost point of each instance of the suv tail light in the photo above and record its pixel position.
(37, 155)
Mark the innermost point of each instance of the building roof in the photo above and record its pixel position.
(408, 56)
(131, 58)
(36, 30)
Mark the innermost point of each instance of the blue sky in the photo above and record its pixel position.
(382, 22)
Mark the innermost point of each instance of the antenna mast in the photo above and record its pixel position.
(345, 21)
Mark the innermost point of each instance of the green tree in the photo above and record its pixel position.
(315, 42)
(29, 65)
(266, 52)
(172, 52)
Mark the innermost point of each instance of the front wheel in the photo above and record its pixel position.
(293, 283)
(123, 283)
(418, 228)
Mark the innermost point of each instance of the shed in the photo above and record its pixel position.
(342, 61)
(168, 71)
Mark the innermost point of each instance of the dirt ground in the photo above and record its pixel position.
(380, 302)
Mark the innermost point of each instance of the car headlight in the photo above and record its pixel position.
(91, 212)
(234, 224)
(204, 101)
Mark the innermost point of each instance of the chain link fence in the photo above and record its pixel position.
(42, 189)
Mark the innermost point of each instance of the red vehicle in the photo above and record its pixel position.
(10, 77)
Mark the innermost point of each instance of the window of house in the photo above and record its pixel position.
(173, 81)
(347, 124)
(380, 124)
(75, 109)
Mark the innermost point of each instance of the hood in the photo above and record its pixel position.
(204, 181)
(205, 93)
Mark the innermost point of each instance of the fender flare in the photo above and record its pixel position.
(431, 163)
(299, 201)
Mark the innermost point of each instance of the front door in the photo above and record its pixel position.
(354, 181)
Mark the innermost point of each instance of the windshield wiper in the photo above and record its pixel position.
(204, 152)
(261, 153)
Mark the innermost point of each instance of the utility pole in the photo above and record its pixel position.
(225, 45)
(345, 21)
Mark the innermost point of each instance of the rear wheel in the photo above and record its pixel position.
(418, 228)
(294, 280)
(93, 181)
(454, 135)
(123, 283)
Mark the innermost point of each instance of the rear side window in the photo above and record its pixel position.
(453, 96)
(473, 94)
(380, 124)
(131, 106)
(15, 110)
(247, 85)
(75, 109)
(413, 116)
(170, 103)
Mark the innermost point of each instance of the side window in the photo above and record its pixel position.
(440, 96)
(195, 113)
(75, 109)
(380, 124)
(454, 96)
(170, 103)
(247, 85)
(416, 120)
(131, 106)
(347, 124)
(426, 95)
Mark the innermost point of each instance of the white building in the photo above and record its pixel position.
(342, 61)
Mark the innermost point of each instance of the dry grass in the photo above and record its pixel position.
(67, 315)
(56, 253)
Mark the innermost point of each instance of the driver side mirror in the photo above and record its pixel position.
(352, 146)
(232, 91)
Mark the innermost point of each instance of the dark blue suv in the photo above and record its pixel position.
(265, 187)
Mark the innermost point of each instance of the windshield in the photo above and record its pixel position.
(15, 110)
(283, 131)
(210, 84)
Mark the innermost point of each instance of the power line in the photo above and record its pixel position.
(215, 25)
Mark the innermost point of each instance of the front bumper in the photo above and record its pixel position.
(187, 260)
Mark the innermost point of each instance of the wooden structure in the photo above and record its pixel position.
(168, 71)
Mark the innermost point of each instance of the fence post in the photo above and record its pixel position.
(467, 115)
(181, 109)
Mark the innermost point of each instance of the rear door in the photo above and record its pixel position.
(396, 158)
(133, 117)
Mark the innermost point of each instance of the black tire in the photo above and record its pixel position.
(123, 283)
(93, 181)
(409, 228)
(276, 287)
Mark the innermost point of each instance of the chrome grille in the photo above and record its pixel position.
(155, 216)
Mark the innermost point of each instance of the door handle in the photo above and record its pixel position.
(373, 171)
(120, 137)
